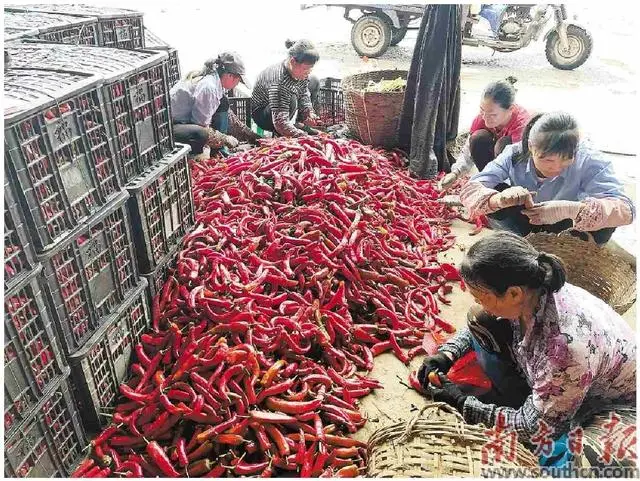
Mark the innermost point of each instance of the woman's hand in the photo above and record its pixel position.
(447, 181)
(230, 141)
(547, 213)
(438, 363)
(312, 120)
(511, 197)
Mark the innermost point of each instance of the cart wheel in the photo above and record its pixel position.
(397, 35)
(371, 36)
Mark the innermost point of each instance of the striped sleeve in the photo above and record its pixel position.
(306, 107)
(279, 99)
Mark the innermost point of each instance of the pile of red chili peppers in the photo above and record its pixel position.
(311, 257)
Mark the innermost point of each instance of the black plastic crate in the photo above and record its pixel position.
(32, 361)
(19, 256)
(103, 362)
(331, 108)
(89, 273)
(135, 91)
(58, 148)
(331, 83)
(159, 275)
(241, 106)
(161, 208)
(80, 30)
(153, 42)
(49, 443)
(116, 27)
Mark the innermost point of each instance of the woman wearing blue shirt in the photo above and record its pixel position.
(199, 106)
(552, 181)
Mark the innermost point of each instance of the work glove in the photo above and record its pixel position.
(547, 213)
(218, 139)
(511, 197)
(439, 363)
(447, 392)
(447, 181)
(230, 141)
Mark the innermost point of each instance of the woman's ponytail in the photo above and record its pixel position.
(552, 270)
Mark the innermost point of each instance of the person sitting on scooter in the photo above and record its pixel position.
(551, 181)
(554, 353)
(200, 107)
(499, 123)
(281, 95)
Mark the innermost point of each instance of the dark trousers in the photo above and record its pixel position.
(492, 340)
(196, 135)
(513, 220)
(264, 119)
(484, 147)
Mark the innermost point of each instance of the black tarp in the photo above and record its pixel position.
(431, 106)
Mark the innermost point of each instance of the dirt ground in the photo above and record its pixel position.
(397, 401)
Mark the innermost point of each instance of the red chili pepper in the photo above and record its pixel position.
(214, 431)
(292, 407)
(83, 468)
(201, 451)
(159, 457)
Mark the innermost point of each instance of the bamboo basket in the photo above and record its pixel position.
(606, 272)
(437, 443)
(373, 117)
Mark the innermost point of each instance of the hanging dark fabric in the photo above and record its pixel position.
(431, 106)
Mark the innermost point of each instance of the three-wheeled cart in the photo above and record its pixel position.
(379, 26)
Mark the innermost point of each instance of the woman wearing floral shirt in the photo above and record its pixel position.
(554, 352)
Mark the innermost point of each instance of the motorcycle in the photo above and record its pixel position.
(567, 45)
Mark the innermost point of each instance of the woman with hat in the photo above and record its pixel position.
(199, 106)
(551, 181)
(281, 95)
(554, 353)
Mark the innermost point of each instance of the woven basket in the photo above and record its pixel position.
(436, 443)
(605, 272)
(373, 117)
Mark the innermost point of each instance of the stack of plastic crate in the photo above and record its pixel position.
(153, 42)
(69, 259)
(51, 27)
(151, 215)
(116, 27)
(134, 90)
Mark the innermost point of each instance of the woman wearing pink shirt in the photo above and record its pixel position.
(500, 122)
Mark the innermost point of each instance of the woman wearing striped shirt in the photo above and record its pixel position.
(281, 94)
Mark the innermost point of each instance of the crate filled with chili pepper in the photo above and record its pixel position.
(161, 208)
(81, 30)
(58, 149)
(89, 274)
(331, 105)
(50, 442)
(135, 94)
(116, 27)
(102, 363)
(153, 42)
(32, 360)
(241, 106)
(19, 256)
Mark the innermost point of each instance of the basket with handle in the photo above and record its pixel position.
(373, 117)
(437, 443)
(604, 271)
